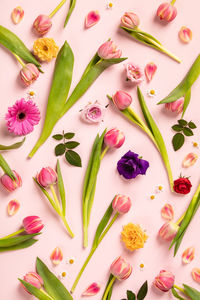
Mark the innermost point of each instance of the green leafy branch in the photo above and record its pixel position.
(182, 128)
(140, 295)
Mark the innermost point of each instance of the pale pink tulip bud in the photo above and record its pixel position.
(13, 207)
(56, 256)
(10, 184)
(188, 255)
(167, 212)
(92, 18)
(121, 204)
(34, 279)
(29, 73)
(42, 24)
(168, 231)
(109, 50)
(167, 12)
(196, 274)
(122, 99)
(17, 14)
(176, 106)
(189, 160)
(32, 224)
(164, 281)
(185, 34)
(120, 268)
(130, 20)
(114, 138)
(47, 177)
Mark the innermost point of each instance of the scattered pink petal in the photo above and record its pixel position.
(92, 18)
(196, 274)
(188, 255)
(92, 290)
(185, 34)
(56, 256)
(150, 70)
(17, 14)
(189, 160)
(13, 207)
(167, 212)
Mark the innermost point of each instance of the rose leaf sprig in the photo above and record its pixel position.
(71, 156)
(57, 106)
(184, 87)
(46, 179)
(44, 284)
(121, 204)
(140, 295)
(130, 22)
(182, 128)
(111, 139)
(122, 100)
(32, 225)
(70, 11)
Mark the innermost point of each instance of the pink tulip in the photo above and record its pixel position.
(168, 231)
(133, 73)
(32, 224)
(109, 50)
(167, 12)
(10, 184)
(176, 106)
(121, 204)
(164, 281)
(114, 138)
(92, 18)
(120, 268)
(122, 99)
(42, 24)
(130, 20)
(29, 73)
(47, 177)
(34, 279)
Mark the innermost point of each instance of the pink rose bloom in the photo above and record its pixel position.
(133, 73)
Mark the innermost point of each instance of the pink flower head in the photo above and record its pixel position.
(10, 184)
(93, 113)
(150, 70)
(167, 12)
(42, 24)
(114, 138)
(121, 204)
(122, 99)
(47, 177)
(133, 73)
(34, 279)
(176, 106)
(109, 50)
(168, 231)
(92, 18)
(130, 20)
(22, 117)
(32, 224)
(120, 268)
(185, 34)
(29, 73)
(164, 281)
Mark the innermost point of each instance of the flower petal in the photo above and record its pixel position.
(150, 70)
(185, 34)
(189, 160)
(92, 290)
(91, 19)
(196, 274)
(188, 255)
(17, 14)
(13, 207)
(56, 256)
(167, 212)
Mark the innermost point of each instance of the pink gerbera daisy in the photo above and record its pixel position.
(22, 117)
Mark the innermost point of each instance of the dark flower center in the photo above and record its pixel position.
(21, 116)
(45, 48)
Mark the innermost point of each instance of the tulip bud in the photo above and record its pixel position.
(167, 12)
(176, 106)
(32, 224)
(120, 268)
(109, 50)
(121, 204)
(10, 184)
(46, 177)
(185, 34)
(130, 20)
(29, 73)
(42, 24)
(17, 14)
(34, 279)
(168, 231)
(164, 281)
(122, 99)
(114, 138)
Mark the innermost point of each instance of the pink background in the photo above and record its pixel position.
(155, 254)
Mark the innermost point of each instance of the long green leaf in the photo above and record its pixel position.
(8, 242)
(110, 291)
(61, 188)
(34, 291)
(13, 146)
(52, 284)
(22, 245)
(186, 101)
(191, 292)
(5, 167)
(9, 40)
(58, 94)
(176, 295)
(71, 8)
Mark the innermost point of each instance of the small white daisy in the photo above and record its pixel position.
(152, 196)
(70, 261)
(151, 93)
(195, 144)
(159, 188)
(31, 94)
(109, 5)
(141, 266)
(62, 275)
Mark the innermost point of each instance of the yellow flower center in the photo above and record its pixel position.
(195, 144)
(31, 93)
(141, 266)
(110, 4)
(64, 274)
(152, 197)
(71, 261)
(152, 92)
(160, 188)
(45, 48)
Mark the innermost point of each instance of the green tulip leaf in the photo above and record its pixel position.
(12, 241)
(73, 158)
(191, 292)
(6, 168)
(61, 188)
(187, 99)
(13, 146)
(60, 149)
(71, 8)
(176, 295)
(22, 245)
(178, 141)
(38, 293)
(111, 289)
(143, 291)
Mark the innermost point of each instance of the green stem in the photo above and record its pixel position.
(55, 197)
(108, 288)
(179, 288)
(108, 227)
(19, 60)
(57, 8)
(13, 234)
(180, 219)
(172, 2)
(67, 226)
(104, 152)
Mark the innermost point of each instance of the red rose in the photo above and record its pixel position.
(182, 185)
